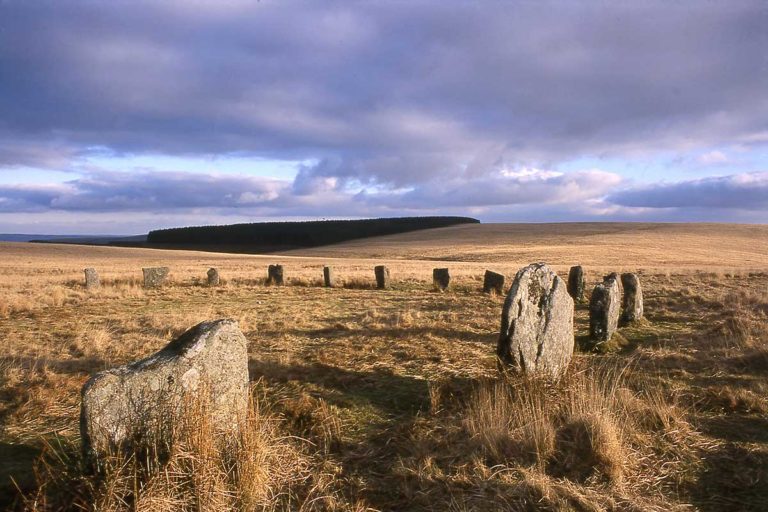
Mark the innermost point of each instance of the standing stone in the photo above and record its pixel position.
(382, 277)
(213, 277)
(604, 309)
(139, 404)
(155, 277)
(632, 299)
(493, 281)
(275, 275)
(615, 277)
(328, 277)
(441, 278)
(576, 283)
(91, 279)
(536, 324)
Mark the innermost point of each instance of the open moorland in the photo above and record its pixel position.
(367, 399)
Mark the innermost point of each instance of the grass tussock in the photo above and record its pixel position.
(258, 467)
(592, 441)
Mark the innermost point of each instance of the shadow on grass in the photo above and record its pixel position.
(337, 332)
(82, 365)
(735, 478)
(392, 394)
(17, 472)
(370, 459)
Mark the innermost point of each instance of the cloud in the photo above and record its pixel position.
(521, 187)
(746, 191)
(713, 158)
(391, 96)
(141, 191)
(472, 110)
(101, 191)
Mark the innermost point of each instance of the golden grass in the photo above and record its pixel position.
(389, 400)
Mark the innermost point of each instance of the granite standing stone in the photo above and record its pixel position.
(91, 279)
(615, 277)
(139, 404)
(155, 277)
(441, 278)
(632, 299)
(382, 277)
(576, 283)
(213, 277)
(604, 309)
(493, 281)
(536, 334)
(275, 275)
(328, 277)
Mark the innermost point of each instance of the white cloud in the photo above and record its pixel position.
(713, 158)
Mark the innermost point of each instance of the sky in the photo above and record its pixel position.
(120, 117)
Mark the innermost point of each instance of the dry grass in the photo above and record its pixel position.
(259, 468)
(389, 400)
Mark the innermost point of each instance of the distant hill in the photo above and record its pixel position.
(286, 235)
(77, 239)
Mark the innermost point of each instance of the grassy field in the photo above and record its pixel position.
(390, 400)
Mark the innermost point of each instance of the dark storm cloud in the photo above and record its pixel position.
(387, 92)
(748, 191)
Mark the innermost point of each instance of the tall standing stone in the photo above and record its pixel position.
(604, 309)
(441, 278)
(155, 277)
(143, 401)
(328, 277)
(275, 275)
(382, 277)
(91, 279)
(576, 283)
(493, 281)
(536, 334)
(213, 277)
(632, 299)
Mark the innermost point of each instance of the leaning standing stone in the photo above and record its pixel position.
(213, 277)
(632, 299)
(155, 277)
(328, 277)
(382, 277)
(536, 324)
(493, 281)
(275, 275)
(91, 279)
(441, 278)
(144, 401)
(604, 306)
(576, 283)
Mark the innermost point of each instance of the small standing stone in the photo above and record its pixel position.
(142, 401)
(441, 278)
(632, 299)
(213, 277)
(155, 277)
(604, 309)
(382, 277)
(275, 275)
(576, 283)
(328, 277)
(536, 334)
(91, 279)
(493, 281)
